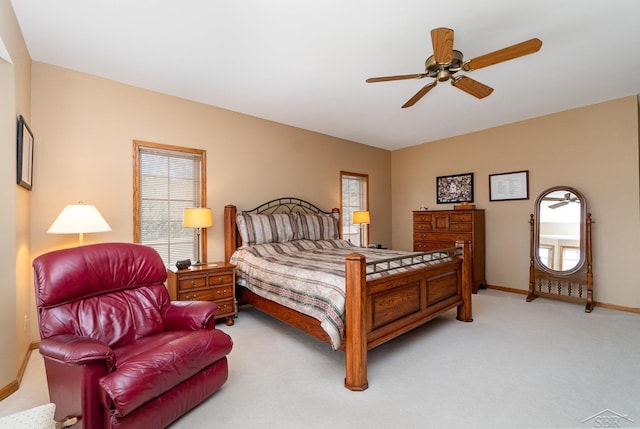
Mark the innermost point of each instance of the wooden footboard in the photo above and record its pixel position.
(381, 309)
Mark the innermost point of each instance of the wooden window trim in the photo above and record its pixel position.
(136, 185)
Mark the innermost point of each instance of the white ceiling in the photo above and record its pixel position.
(304, 63)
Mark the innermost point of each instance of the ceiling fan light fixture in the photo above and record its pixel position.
(443, 75)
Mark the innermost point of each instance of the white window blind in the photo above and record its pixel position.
(168, 180)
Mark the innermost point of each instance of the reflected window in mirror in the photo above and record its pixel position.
(546, 255)
(570, 257)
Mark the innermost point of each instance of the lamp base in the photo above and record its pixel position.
(198, 263)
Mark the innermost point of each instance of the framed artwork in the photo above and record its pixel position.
(509, 186)
(457, 188)
(25, 154)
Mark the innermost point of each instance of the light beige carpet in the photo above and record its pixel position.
(545, 364)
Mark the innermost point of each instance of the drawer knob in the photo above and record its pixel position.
(220, 279)
(193, 282)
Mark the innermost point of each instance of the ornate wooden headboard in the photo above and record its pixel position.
(232, 239)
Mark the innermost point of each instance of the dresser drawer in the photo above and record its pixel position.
(461, 217)
(449, 237)
(461, 227)
(422, 227)
(422, 217)
(192, 283)
(220, 279)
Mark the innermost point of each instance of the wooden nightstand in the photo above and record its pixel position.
(210, 282)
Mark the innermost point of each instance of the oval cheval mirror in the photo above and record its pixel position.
(560, 250)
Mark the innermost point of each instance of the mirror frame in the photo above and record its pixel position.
(583, 232)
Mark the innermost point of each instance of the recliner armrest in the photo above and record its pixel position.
(190, 315)
(75, 350)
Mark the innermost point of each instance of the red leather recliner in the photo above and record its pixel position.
(117, 352)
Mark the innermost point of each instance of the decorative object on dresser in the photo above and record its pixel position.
(437, 229)
(560, 264)
(211, 282)
(457, 188)
(352, 298)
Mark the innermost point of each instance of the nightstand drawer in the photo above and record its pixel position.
(192, 283)
(198, 295)
(220, 279)
(221, 292)
(226, 306)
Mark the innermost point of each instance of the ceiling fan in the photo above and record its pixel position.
(568, 198)
(446, 61)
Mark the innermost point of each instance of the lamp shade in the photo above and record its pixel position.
(197, 217)
(79, 218)
(361, 217)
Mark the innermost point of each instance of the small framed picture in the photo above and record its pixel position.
(25, 154)
(509, 186)
(457, 188)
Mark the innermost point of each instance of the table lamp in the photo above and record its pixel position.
(361, 218)
(198, 218)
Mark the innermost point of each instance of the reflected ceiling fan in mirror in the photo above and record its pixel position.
(568, 198)
(446, 61)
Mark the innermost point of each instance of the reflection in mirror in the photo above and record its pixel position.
(559, 230)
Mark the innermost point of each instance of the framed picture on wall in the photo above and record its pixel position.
(25, 154)
(457, 188)
(509, 186)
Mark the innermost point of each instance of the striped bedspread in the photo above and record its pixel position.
(309, 276)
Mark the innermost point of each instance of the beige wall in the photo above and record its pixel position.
(15, 290)
(594, 149)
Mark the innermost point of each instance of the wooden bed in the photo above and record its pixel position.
(377, 310)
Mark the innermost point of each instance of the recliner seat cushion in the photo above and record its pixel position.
(163, 361)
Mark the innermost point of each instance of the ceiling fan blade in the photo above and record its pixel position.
(399, 77)
(506, 54)
(413, 100)
(560, 204)
(442, 41)
(471, 86)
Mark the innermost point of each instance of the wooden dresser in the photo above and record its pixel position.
(438, 229)
(210, 282)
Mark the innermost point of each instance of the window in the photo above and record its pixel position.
(570, 257)
(354, 197)
(166, 180)
(545, 252)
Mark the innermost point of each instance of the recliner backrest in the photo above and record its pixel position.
(113, 292)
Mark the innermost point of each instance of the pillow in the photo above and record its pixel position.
(261, 228)
(313, 226)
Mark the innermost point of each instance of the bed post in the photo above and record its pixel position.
(229, 231)
(464, 309)
(355, 323)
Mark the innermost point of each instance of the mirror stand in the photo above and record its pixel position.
(575, 282)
